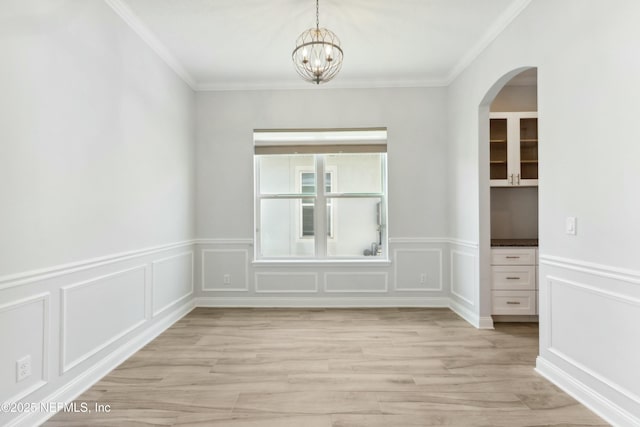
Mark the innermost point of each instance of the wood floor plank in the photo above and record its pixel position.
(388, 367)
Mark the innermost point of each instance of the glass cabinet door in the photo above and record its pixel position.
(498, 153)
(528, 148)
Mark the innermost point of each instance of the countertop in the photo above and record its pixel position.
(514, 242)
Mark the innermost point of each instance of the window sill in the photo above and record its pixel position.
(322, 263)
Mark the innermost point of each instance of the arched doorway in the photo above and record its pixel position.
(485, 296)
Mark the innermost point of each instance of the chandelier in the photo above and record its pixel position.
(317, 56)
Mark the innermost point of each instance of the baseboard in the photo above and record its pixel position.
(349, 302)
(485, 323)
(589, 397)
(465, 313)
(84, 381)
(516, 318)
(304, 302)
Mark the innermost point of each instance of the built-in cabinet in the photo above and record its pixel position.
(513, 145)
(514, 286)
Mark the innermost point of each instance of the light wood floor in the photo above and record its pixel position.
(332, 368)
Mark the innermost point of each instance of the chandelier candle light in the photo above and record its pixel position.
(317, 56)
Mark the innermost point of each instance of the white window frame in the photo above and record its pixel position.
(319, 143)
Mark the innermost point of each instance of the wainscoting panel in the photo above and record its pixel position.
(98, 312)
(463, 276)
(79, 321)
(172, 281)
(356, 282)
(24, 331)
(593, 344)
(417, 269)
(415, 275)
(286, 282)
(589, 335)
(225, 270)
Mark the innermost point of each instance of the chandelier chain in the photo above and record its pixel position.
(317, 14)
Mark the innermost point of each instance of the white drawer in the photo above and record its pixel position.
(513, 277)
(514, 302)
(513, 256)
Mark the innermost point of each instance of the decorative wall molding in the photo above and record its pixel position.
(45, 298)
(470, 316)
(453, 281)
(132, 20)
(323, 302)
(112, 340)
(244, 288)
(154, 264)
(464, 243)
(616, 387)
(78, 385)
(312, 275)
(418, 240)
(384, 275)
(553, 282)
(321, 263)
(489, 36)
(150, 39)
(238, 241)
(427, 250)
(594, 290)
(485, 322)
(338, 84)
(603, 407)
(433, 240)
(69, 268)
(600, 270)
(65, 366)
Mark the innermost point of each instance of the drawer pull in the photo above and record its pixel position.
(513, 278)
(512, 257)
(513, 302)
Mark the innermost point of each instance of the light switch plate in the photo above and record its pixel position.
(570, 225)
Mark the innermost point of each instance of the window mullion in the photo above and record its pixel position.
(320, 212)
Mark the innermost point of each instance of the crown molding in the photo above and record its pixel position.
(132, 20)
(490, 35)
(337, 84)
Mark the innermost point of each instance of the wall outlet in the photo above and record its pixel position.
(423, 278)
(23, 368)
(226, 279)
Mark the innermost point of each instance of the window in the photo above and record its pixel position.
(308, 185)
(320, 201)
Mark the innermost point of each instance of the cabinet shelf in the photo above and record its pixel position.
(513, 149)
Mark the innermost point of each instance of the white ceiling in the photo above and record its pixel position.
(247, 44)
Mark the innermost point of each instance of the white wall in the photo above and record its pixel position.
(97, 189)
(417, 210)
(587, 92)
(416, 150)
(95, 129)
